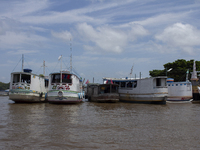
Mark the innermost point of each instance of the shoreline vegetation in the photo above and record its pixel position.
(4, 86)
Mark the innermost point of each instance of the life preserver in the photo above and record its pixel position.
(67, 87)
(60, 87)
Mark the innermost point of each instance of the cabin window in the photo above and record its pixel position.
(92, 90)
(129, 85)
(123, 84)
(176, 84)
(108, 89)
(135, 84)
(26, 78)
(66, 78)
(56, 78)
(16, 78)
(114, 89)
(46, 82)
(158, 82)
(105, 89)
(116, 83)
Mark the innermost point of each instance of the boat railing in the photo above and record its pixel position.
(20, 85)
(160, 87)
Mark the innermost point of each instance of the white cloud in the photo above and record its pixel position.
(22, 52)
(32, 12)
(108, 38)
(161, 19)
(65, 35)
(137, 31)
(183, 36)
(35, 28)
(104, 38)
(180, 35)
(23, 7)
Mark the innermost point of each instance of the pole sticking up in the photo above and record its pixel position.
(43, 68)
(60, 58)
(70, 56)
(22, 62)
(131, 71)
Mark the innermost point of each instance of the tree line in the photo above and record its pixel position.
(4, 86)
(177, 70)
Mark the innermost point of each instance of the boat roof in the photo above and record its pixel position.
(129, 79)
(108, 84)
(178, 82)
(90, 84)
(98, 84)
(28, 73)
(64, 72)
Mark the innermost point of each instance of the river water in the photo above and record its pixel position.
(90, 126)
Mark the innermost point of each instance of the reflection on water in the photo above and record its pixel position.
(99, 126)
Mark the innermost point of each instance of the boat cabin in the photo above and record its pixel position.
(25, 80)
(56, 78)
(64, 81)
(102, 92)
(96, 89)
(145, 85)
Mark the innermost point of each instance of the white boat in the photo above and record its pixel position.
(27, 87)
(64, 87)
(179, 91)
(148, 90)
(102, 92)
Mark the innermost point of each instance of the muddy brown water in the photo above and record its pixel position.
(89, 126)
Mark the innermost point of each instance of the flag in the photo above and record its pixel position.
(111, 81)
(59, 57)
(64, 76)
(68, 76)
(87, 82)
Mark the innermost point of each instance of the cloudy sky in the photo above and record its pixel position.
(108, 37)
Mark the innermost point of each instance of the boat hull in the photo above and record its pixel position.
(63, 97)
(105, 98)
(179, 99)
(26, 96)
(148, 99)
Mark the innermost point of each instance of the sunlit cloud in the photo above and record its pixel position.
(184, 36)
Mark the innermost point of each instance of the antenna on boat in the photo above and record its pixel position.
(70, 56)
(131, 71)
(60, 58)
(22, 62)
(44, 67)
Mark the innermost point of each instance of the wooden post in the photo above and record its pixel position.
(195, 84)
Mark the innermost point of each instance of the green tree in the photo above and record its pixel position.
(4, 86)
(176, 70)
